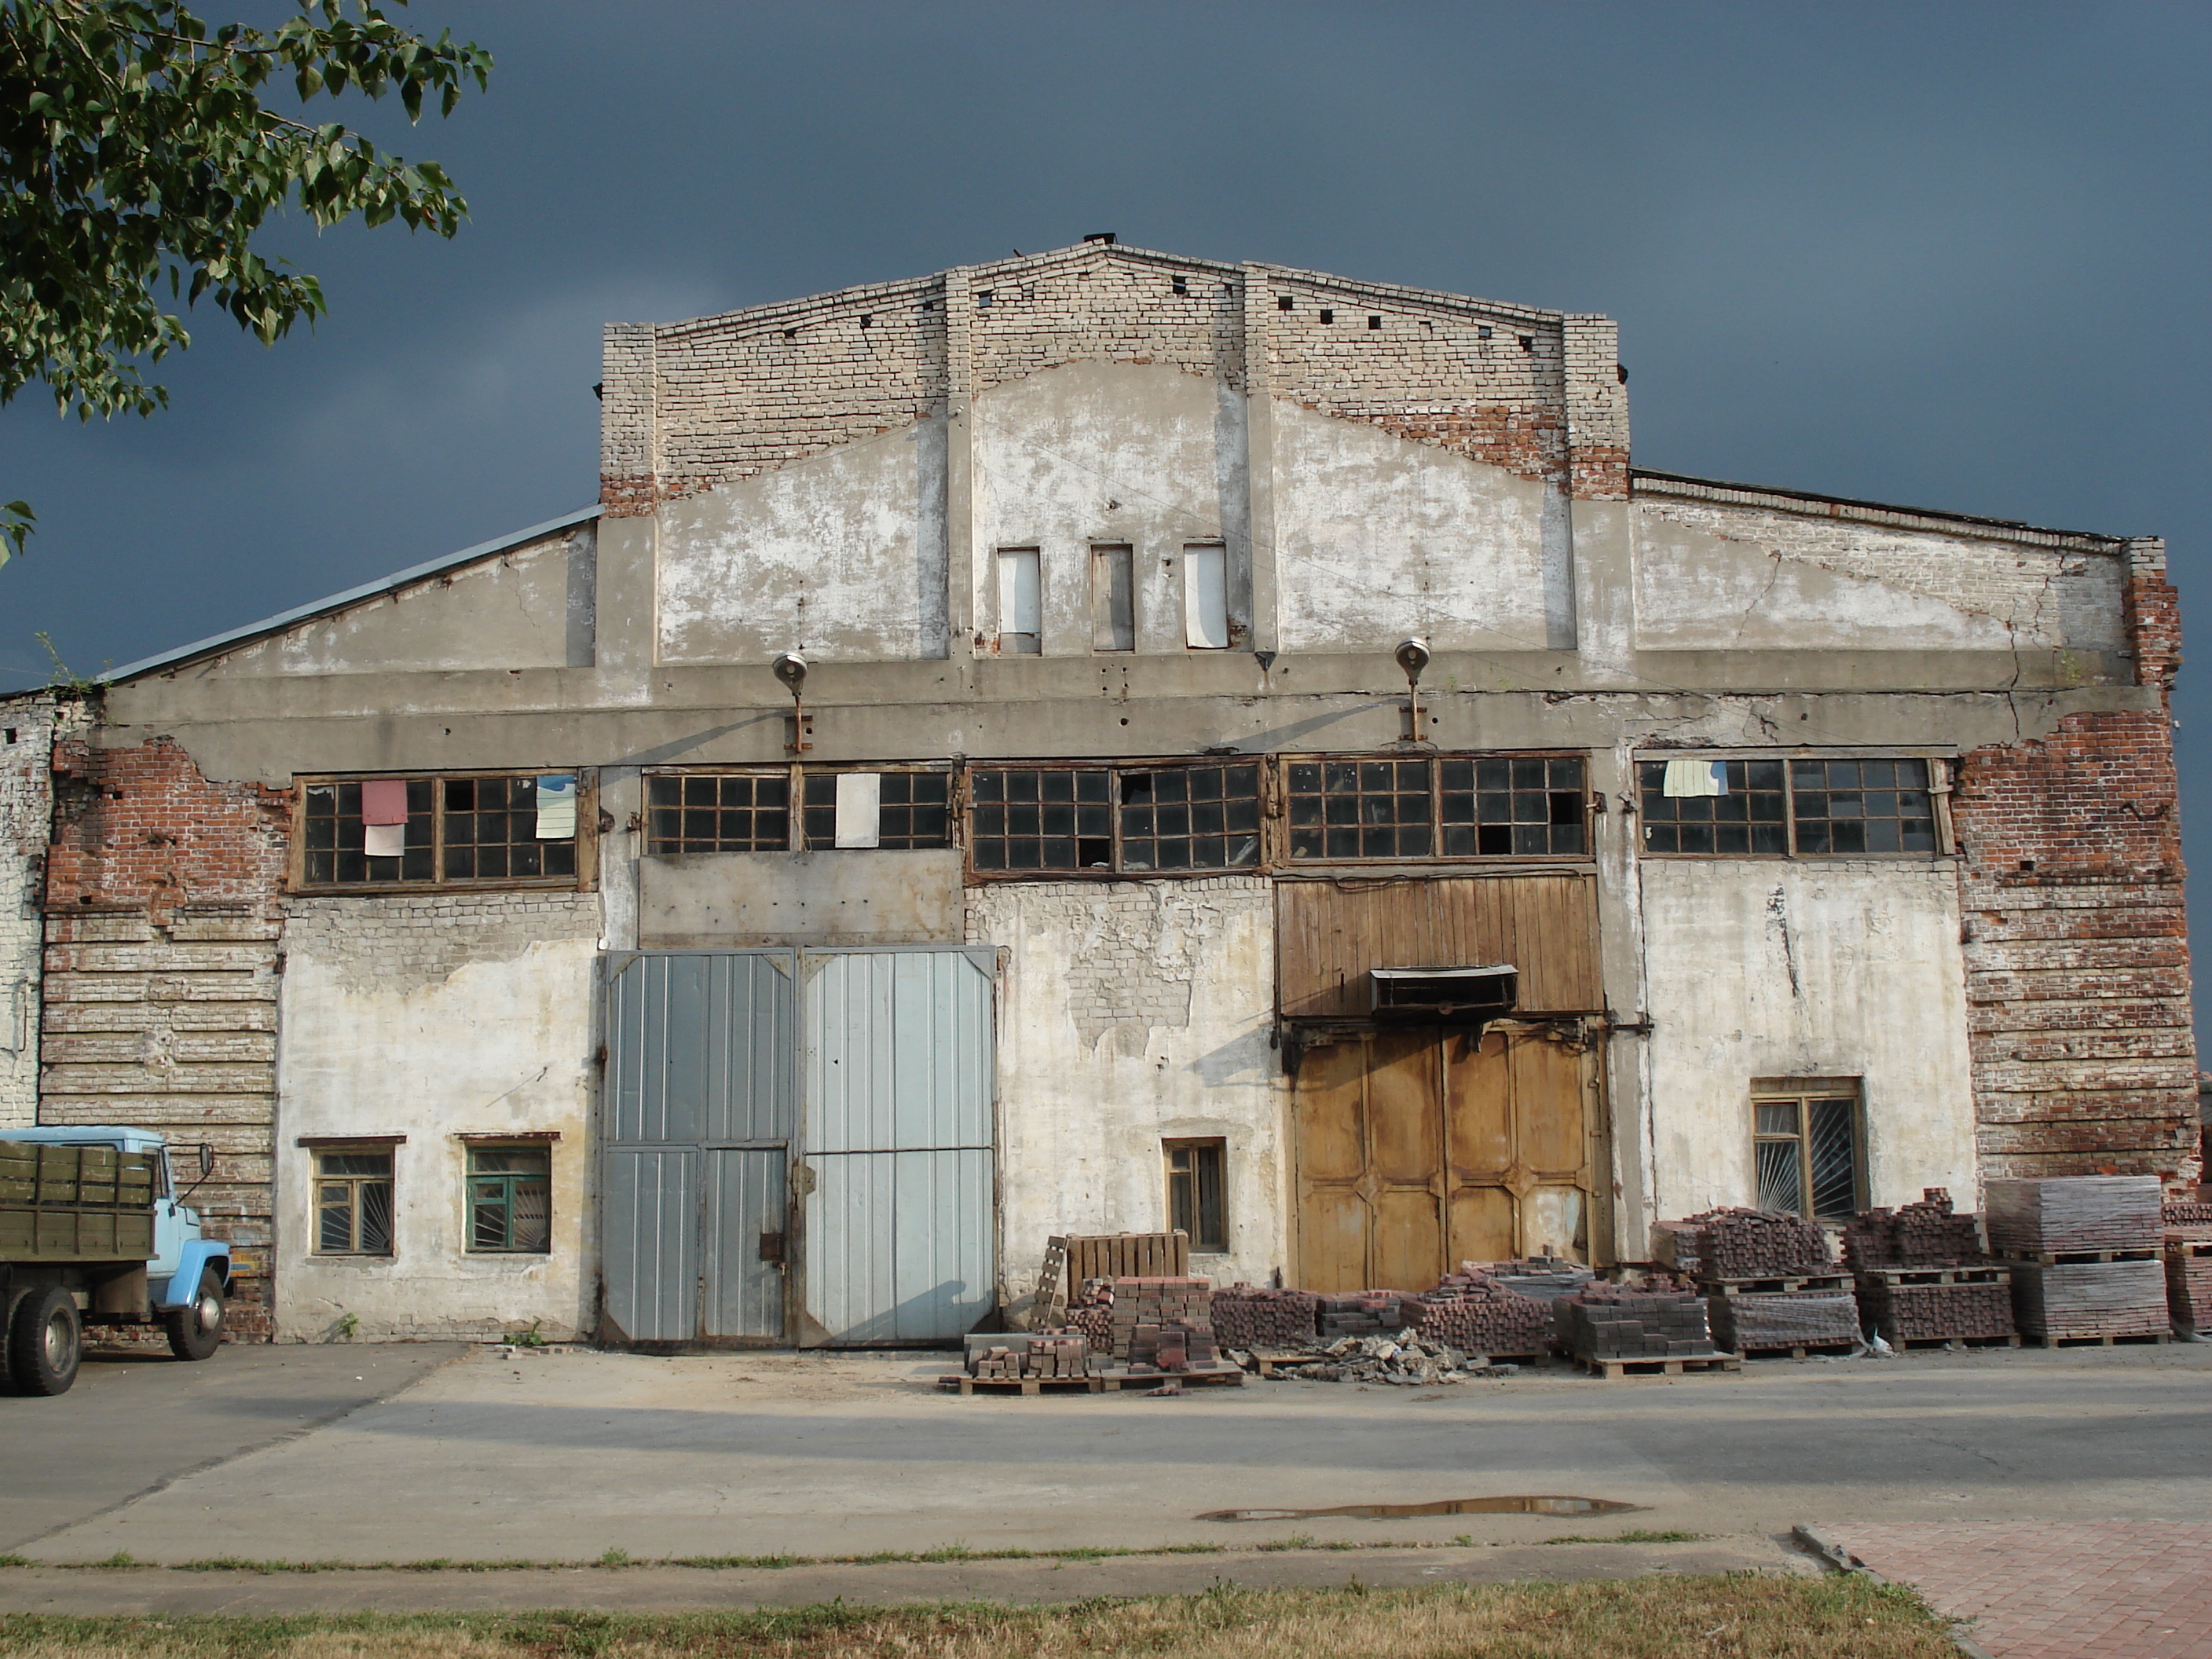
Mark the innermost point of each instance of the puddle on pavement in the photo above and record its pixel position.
(1516, 1505)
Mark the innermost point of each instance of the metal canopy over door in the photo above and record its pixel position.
(899, 1068)
(1420, 1149)
(701, 1107)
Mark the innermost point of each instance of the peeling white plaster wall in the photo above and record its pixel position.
(1091, 454)
(1710, 576)
(26, 812)
(1378, 537)
(1133, 1012)
(841, 555)
(429, 1017)
(1763, 968)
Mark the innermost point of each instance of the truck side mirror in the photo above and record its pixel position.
(207, 1160)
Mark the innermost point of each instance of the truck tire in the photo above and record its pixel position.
(196, 1332)
(45, 1340)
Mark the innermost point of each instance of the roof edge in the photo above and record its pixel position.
(268, 625)
(1845, 507)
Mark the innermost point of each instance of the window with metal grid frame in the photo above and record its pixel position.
(1190, 817)
(1525, 805)
(718, 812)
(1035, 818)
(1360, 809)
(332, 835)
(460, 830)
(1807, 1150)
(914, 810)
(510, 1200)
(1862, 807)
(489, 831)
(1198, 1202)
(1749, 815)
(353, 1201)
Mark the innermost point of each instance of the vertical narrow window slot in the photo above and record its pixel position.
(1112, 600)
(1021, 602)
(1205, 597)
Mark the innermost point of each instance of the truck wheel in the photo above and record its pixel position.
(45, 1342)
(196, 1332)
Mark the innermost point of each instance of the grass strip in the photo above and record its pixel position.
(1841, 1617)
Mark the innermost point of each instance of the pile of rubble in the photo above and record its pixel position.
(1406, 1360)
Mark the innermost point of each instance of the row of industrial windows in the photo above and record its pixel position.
(506, 1192)
(1137, 819)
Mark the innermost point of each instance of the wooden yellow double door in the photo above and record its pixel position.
(1418, 1149)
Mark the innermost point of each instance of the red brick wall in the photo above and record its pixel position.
(161, 976)
(2077, 953)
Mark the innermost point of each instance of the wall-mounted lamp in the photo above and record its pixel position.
(791, 668)
(1412, 655)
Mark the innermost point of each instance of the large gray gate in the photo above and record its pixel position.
(797, 1138)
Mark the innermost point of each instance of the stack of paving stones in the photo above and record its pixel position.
(1367, 1313)
(1156, 1316)
(1881, 1245)
(1735, 1245)
(1623, 1322)
(2086, 1251)
(1674, 1243)
(1915, 1313)
(1471, 1311)
(1174, 1345)
(2189, 1265)
(1546, 1277)
(1054, 1355)
(1922, 1235)
(1092, 1314)
(1249, 1317)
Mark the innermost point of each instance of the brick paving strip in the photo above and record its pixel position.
(2049, 1589)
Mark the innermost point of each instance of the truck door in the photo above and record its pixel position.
(168, 1225)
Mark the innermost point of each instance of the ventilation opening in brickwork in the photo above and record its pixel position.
(1327, 315)
(1103, 238)
(1483, 333)
(1527, 342)
(1182, 285)
(985, 298)
(1283, 302)
(1374, 322)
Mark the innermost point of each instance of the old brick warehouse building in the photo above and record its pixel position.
(530, 956)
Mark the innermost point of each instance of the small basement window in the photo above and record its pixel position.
(353, 1201)
(1808, 1147)
(510, 1200)
(1198, 1196)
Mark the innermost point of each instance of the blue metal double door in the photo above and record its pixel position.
(797, 1147)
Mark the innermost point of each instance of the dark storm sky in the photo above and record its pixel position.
(1946, 255)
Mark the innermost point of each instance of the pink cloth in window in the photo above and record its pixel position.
(384, 801)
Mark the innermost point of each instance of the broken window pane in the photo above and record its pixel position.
(1035, 819)
(1376, 809)
(1747, 818)
(1509, 807)
(718, 813)
(1863, 807)
(487, 826)
(1194, 817)
(335, 838)
(491, 832)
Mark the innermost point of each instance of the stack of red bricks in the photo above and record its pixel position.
(1910, 1312)
(1175, 1345)
(2188, 1288)
(1622, 1321)
(1054, 1355)
(1144, 1310)
(1471, 1311)
(1922, 1235)
(1249, 1317)
(1674, 1243)
(1090, 1314)
(1367, 1313)
(1759, 1244)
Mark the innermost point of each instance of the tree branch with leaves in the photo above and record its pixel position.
(138, 161)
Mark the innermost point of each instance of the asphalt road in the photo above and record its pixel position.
(561, 1457)
(137, 1420)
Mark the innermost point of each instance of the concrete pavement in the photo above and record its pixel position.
(138, 1420)
(562, 1456)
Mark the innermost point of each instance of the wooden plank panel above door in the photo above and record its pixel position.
(1328, 935)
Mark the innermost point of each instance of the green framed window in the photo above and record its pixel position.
(510, 1199)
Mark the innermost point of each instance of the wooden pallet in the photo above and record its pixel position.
(1838, 1280)
(2082, 1258)
(1795, 1350)
(2131, 1338)
(1278, 1362)
(961, 1383)
(1686, 1366)
(1994, 1274)
(1220, 1374)
(2187, 1248)
(1956, 1344)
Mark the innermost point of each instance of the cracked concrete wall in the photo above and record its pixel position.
(432, 1018)
(1716, 575)
(1132, 1012)
(27, 728)
(1849, 968)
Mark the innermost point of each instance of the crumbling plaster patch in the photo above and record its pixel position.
(25, 814)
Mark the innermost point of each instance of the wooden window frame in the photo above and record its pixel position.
(802, 842)
(793, 806)
(1435, 857)
(1197, 1145)
(1940, 781)
(387, 1146)
(1802, 1092)
(586, 840)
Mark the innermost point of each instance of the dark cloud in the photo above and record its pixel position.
(1948, 255)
